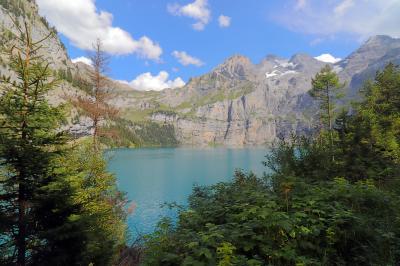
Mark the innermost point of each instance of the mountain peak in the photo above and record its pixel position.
(301, 58)
(237, 60)
(235, 66)
(380, 42)
(379, 39)
(272, 59)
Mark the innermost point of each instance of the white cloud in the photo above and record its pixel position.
(359, 18)
(224, 21)
(147, 82)
(197, 10)
(82, 24)
(82, 59)
(186, 59)
(328, 58)
(300, 4)
(343, 7)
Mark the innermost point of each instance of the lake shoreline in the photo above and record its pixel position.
(153, 176)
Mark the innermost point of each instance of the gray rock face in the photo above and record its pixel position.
(262, 102)
(53, 51)
(245, 104)
(238, 103)
(365, 61)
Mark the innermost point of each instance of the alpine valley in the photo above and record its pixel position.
(238, 103)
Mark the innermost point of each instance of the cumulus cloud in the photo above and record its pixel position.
(82, 59)
(82, 24)
(327, 58)
(186, 59)
(224, 21)
(198, 10)
(359, 18)
(148, 82)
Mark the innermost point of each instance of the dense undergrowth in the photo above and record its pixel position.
(327, 202)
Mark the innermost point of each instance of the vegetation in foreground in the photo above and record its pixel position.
(58, 204)
(330, 200)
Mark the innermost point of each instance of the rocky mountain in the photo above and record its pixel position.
(369, 58)
(238, 103)
(14, 14)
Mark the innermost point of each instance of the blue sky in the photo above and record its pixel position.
(257, 28)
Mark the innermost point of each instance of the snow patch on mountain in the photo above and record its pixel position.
(279, 73)
(272, 74)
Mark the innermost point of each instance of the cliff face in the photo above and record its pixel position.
(238, 103)
(19, 12)
(266, 101)
(22, 10)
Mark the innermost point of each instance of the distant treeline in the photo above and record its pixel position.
(140, 134)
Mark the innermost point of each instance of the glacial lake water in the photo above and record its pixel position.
(151, 177)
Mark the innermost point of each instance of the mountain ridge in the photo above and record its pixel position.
(237, 103)
(276, 102)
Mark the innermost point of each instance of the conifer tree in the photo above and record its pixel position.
(58, 203)
(326, 89)
(29, 140)
(370, 138)
(96, 105)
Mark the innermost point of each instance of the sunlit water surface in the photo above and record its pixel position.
(151, 177)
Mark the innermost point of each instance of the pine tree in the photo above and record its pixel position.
(370, 138)
(29, 140)
(326, 89)
(96, 105)
(58, 203)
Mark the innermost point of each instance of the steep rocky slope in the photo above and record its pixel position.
(241, 103)
(238, 103)
(14, 13)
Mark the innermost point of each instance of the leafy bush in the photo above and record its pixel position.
(330, 200)
(245, 222)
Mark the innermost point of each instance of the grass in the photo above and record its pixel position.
(220, 95)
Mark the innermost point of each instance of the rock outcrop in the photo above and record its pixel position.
(238, 103)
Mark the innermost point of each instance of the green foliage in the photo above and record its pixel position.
(369, 140)
(102, 213)
(58, 204)
(139, 134)
(15, 7)
(29, 144)
(154, 134)
(219, 95)
(245, 223)
(311, 210)
(74, 80)
(326, 89)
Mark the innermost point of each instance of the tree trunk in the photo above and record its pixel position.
(95, 133)
(21, 243)
(328, 98)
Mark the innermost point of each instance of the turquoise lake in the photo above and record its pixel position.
(151, 177)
